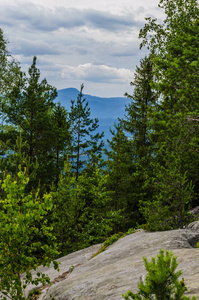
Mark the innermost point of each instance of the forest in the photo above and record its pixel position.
(58, 194)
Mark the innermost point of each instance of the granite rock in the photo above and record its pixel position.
(119, 268)
(194, 226)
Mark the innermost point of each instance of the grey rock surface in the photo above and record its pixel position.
(119, 268)
(194, 211)
(68, 263)
(194, 225)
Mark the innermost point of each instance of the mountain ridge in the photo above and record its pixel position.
(107, 110)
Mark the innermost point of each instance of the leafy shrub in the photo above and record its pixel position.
(26, 241)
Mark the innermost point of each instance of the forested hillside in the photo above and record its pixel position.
(107, 110)
(57, 194)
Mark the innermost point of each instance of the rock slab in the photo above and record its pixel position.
(119, 268)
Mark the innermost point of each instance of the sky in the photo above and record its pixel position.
(94, 42)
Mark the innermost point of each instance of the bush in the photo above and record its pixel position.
(109, 241)
(161, 280)
(26, 241)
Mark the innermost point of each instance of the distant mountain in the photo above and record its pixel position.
(107, 110)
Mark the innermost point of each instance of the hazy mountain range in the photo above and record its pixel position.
(107, 110)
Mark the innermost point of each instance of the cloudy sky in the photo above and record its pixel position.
(94, 42)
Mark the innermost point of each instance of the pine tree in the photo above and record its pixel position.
(174, 175)
(28, 109)
(9, 68)
(161, 280)
(173, 193)
(85, 145)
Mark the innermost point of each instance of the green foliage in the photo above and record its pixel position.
(66, 214)
(161, 281)
(137, 123)
(174, 45)
(29, 109)
(33, 295)
(26, 241)
(151, 174)
(61, 139)
(130, 231)
(80, 217)
(84, 143)
(171, 182)
(197, 244)
(173, 193)
(109, 241)
(112, 239)
(139, 109)
(119, 181)
(9, 68)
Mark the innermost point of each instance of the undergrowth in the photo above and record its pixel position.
(112, 239)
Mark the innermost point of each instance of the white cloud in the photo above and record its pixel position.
(90, 41)
(97, 73)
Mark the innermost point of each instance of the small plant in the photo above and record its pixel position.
(33, 295)
(161, 280)
(130, 231)
(71, 268)
(113, 238)
(197, 245)
(109, 241)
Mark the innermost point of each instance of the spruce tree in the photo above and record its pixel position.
(119, 182)
(61, 139)
(137, 118)
(138, 128)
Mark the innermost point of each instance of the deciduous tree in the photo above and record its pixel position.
(25, 239)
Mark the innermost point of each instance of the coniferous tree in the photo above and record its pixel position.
(80, 217)
(61, 139)
(161, 280)
(28, 109)
(174, 49)
(9, 68)
(138, 111)
(85, 144)
(174, 45)
(119, 182)
(137, 126)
